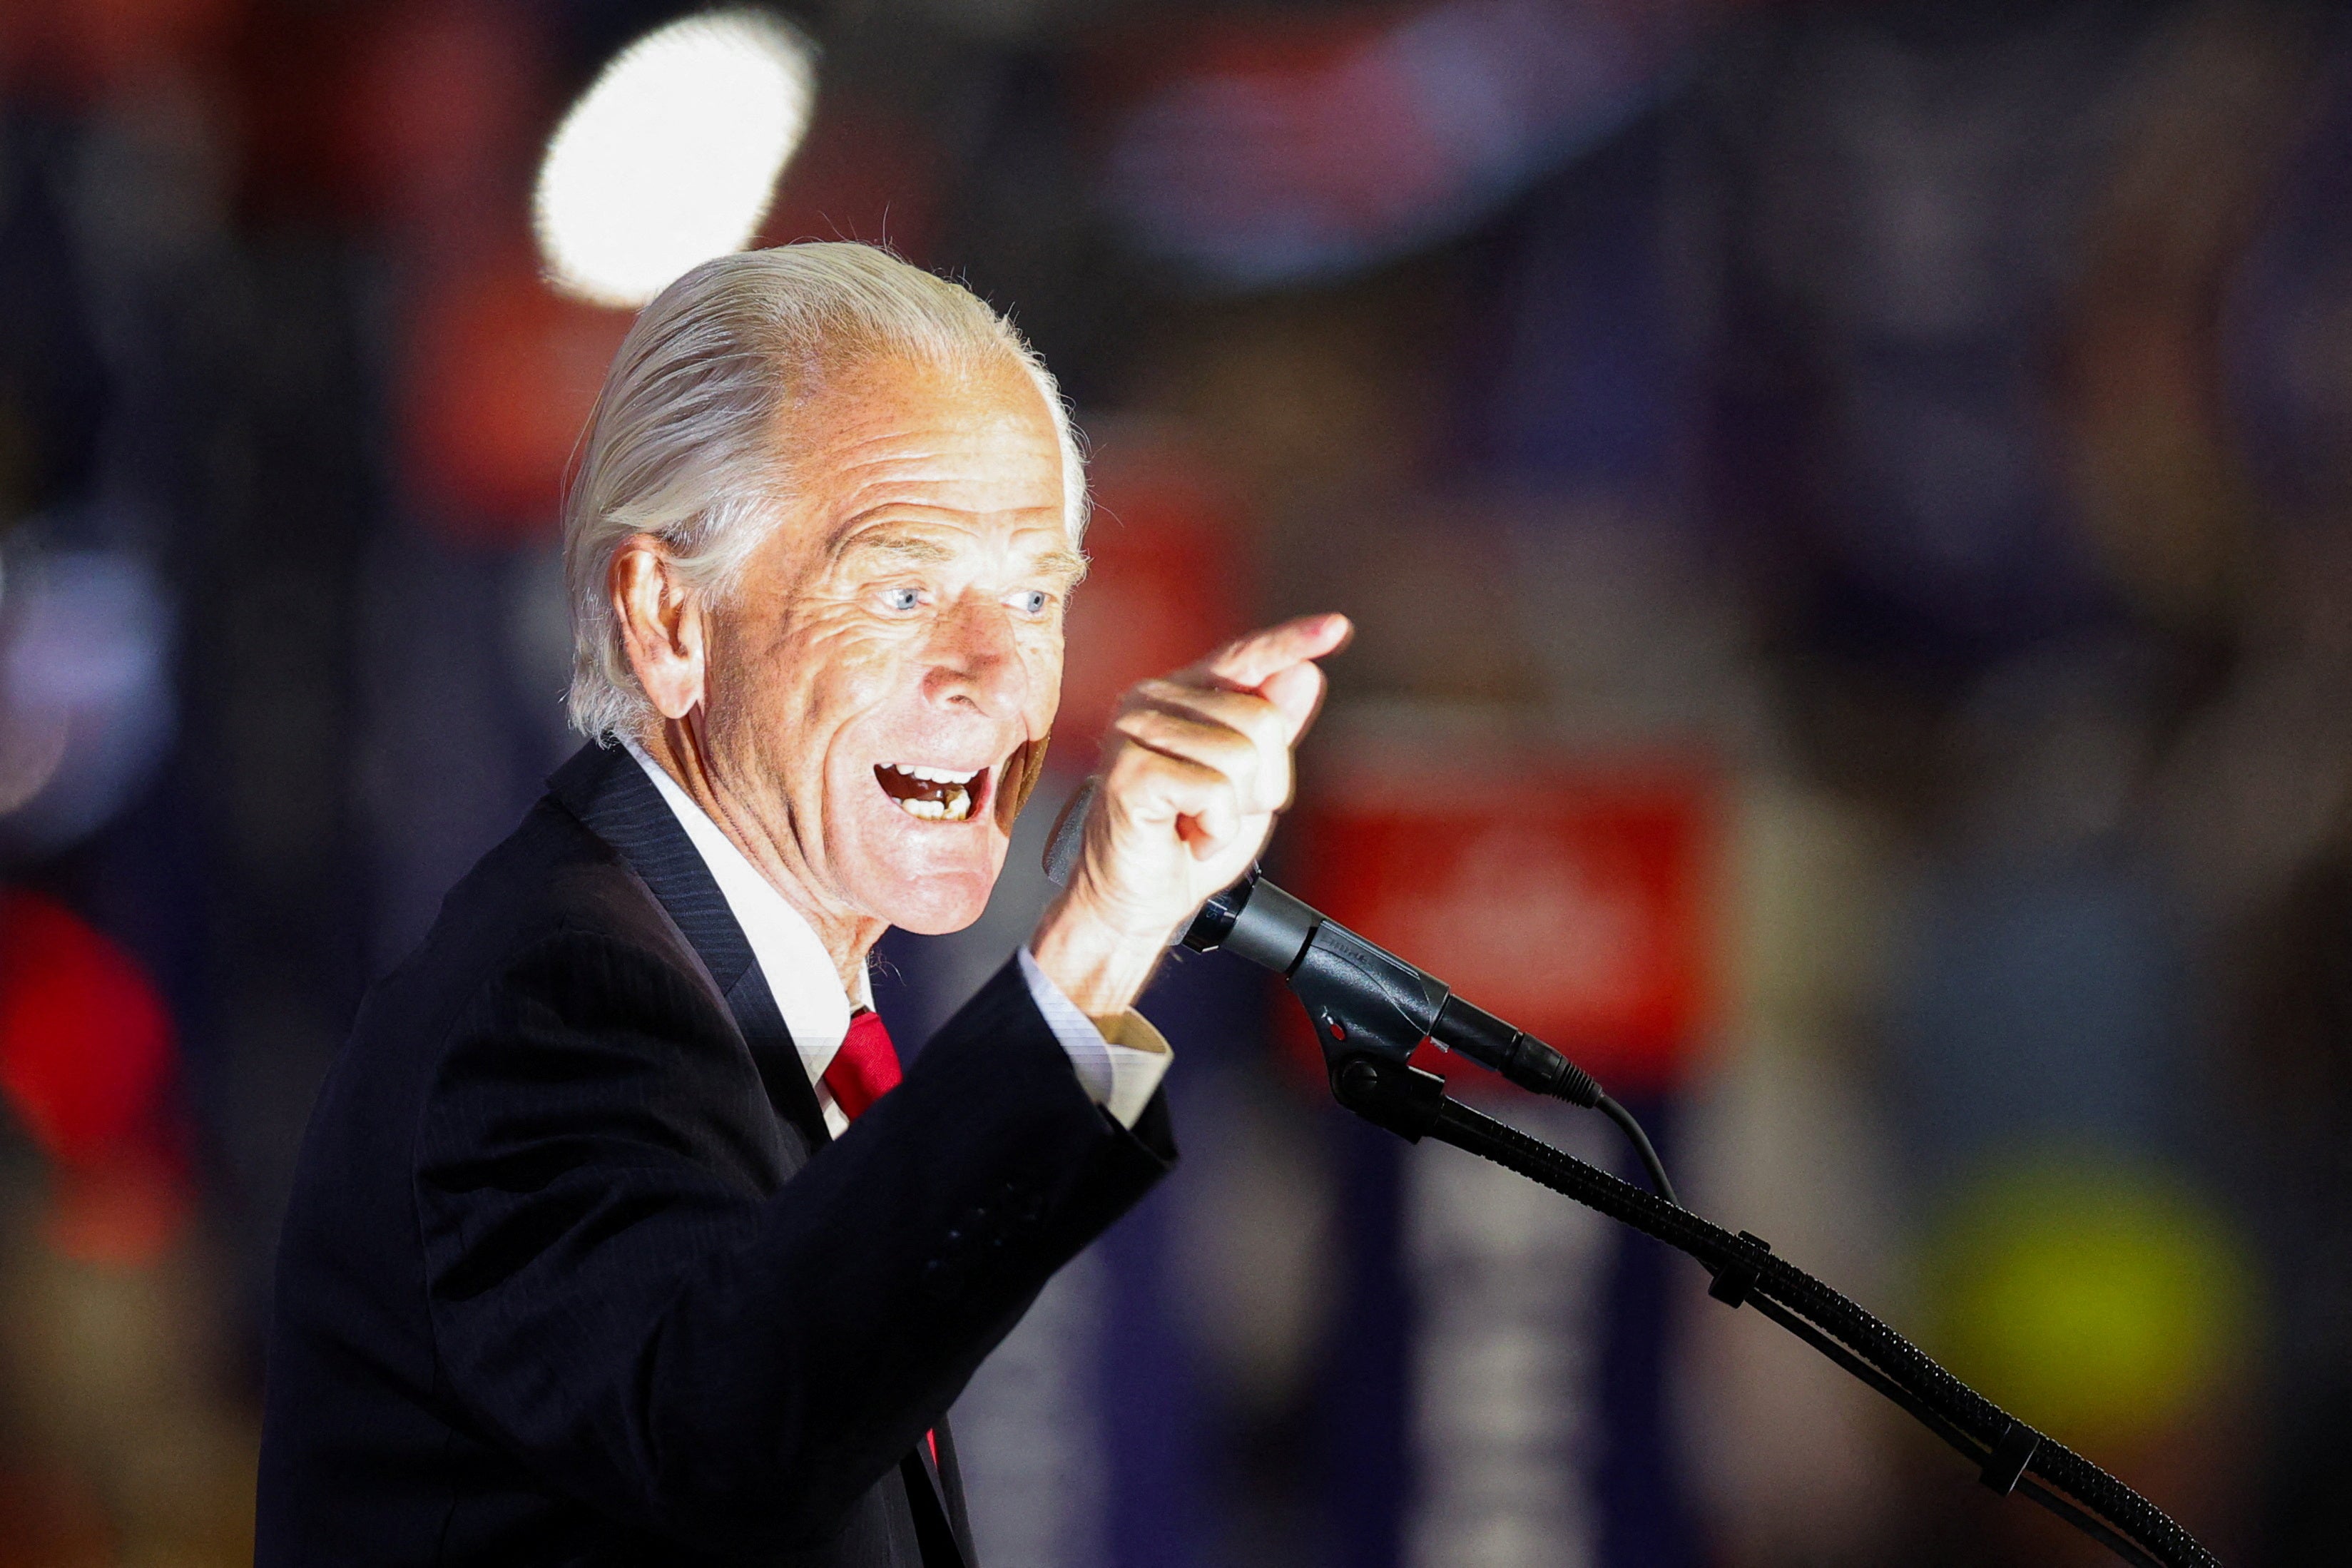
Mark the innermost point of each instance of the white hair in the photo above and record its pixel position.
(684, 443)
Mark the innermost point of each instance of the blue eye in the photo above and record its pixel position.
(1034, 601)
(901, 598)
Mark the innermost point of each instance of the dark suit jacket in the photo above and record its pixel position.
(574, 1275)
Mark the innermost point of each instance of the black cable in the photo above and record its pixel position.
(1624, 1118)
(2088, 1524)
(1370, 1087)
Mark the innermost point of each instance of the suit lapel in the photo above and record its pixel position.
(780, 1068)
(605, 788)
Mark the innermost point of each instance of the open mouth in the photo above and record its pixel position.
(934, 795)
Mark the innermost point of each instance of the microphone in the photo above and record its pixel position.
(1361, 998)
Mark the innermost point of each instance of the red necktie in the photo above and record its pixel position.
(862, 1071)
(865, 1067)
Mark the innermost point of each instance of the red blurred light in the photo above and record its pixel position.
(86, 1046)
(1169, 579)
(1578, 904)
(81, 47)
(441, 114)
(501, 374)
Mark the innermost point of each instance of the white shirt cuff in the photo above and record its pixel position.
(1119, 1074)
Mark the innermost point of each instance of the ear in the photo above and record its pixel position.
(661, 624)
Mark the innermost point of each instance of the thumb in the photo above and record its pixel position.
(1296, 691)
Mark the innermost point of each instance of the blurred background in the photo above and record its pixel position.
(1850, 511)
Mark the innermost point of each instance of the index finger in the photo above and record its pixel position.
(1248, 664)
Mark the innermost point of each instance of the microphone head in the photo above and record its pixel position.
(1070, 834)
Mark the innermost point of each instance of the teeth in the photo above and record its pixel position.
(955, 808)
(933, 795)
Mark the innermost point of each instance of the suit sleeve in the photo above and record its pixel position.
(613, 1302)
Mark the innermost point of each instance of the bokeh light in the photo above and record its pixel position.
(87, 711)
(671, 157)
(2099, 1302)
(85, 1043)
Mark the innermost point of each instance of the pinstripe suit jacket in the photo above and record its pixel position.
(573, 1273)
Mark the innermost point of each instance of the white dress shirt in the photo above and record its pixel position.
(1118, 1073)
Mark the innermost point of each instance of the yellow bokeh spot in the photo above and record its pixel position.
(2097, 1303)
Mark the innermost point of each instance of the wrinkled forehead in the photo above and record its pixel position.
(899, 439)
(1032, 550)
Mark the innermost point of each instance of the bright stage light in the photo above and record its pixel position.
(671, 157)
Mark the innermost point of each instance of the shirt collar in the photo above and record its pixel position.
(799, 972)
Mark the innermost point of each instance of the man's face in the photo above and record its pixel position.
(895, 645)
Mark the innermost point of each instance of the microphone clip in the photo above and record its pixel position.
(1362, 1000)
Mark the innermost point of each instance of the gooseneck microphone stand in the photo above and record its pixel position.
(1372, 1011)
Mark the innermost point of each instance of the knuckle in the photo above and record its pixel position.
(1211, 792)
(1141, 723)
(1252, 716)
(1130, 762)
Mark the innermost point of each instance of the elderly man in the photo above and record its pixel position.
(617, 1236)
